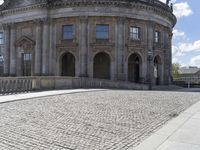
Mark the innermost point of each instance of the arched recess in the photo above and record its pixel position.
(102, 66)
(134, 68)
(1, 65)
(68, 64)
(157, 70)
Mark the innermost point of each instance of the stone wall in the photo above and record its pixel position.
(40, 33)
(27, 84)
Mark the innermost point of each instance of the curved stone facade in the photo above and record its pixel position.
(110, 39)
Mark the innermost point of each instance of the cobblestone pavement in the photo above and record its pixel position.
(103, 120)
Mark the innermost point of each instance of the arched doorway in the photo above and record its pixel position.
(157, 70)
(68, 65)
(134, 66)
(102, 66)
(1, 65)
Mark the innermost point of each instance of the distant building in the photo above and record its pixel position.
(189, 72)
(107, 39)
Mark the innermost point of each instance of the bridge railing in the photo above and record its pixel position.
(188, 81)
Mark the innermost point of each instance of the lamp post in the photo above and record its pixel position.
(149, 59)
(1, 65)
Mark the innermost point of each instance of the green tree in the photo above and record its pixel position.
(175, 68)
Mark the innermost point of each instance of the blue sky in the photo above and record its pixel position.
(186, 40)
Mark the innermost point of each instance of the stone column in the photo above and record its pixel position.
(45, 47)
(120, 48)
(6, 52)
(13, 50)
(52, 49)
(168, 59)
(150, 49)
(38, 49)
(83, 46)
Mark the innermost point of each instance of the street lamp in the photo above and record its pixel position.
(149, 58)
(1, 65)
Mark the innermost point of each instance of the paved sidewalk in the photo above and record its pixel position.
(181, 133)
(23, 96)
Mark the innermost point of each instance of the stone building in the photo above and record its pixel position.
(126, 40)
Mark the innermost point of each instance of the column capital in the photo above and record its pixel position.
(37, 21)
(83, 19)
(121, 20)
(13, 25)
(46, 20)
(6, 26)
(151, 24)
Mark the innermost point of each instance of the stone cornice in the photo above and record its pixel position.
(146, 5)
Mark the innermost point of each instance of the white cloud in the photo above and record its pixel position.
(195, 61)
(1, 2)
(177, 33)
(189, 47)
(182, 9)
(164, 1)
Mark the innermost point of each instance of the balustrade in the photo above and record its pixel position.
(15, 85)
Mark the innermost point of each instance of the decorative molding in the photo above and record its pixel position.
(24, 40)
(147, 5)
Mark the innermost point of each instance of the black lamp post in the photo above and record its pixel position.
(149, 59)
(1, 65)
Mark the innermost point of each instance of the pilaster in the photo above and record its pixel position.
(45, 47)
(13, 50)
(38, 48)
(120, 48)
(83, 46)
(52, 48)
(6, 53)
(150, 52)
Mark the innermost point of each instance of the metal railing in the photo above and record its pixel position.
(188, 81)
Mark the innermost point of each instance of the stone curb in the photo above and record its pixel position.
(32, 95)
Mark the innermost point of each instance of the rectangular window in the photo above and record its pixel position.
(102, 32)
(157, 37)
(1, 38)
(134, 33)
(68, 32)
(26, 64)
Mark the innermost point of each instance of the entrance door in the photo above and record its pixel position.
(68, 65)
(134, 68)
(157, 70)
(102, 66)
